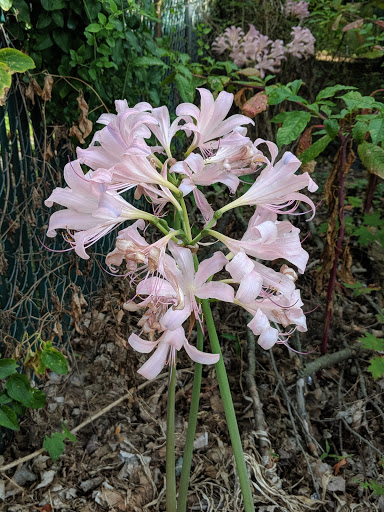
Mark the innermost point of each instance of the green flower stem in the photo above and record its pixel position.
(170, 447)
(229, 410)
(186, 225)
(191, 430)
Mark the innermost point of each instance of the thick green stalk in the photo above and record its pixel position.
(170, 447)
(191, 430)
(229, 410)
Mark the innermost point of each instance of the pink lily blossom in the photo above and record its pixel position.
(90, 210)
(166, 346)
(190, 284)
(267, 238)
(276, 187)
(210, 120)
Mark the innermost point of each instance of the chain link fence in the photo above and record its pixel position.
(38, 284)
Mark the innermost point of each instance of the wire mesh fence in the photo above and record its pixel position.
(38, 284)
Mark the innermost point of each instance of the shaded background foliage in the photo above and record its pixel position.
(87, 54)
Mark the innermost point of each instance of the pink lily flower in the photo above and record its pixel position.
(267, 238)
(130, 172)
(90, 210)
(124, 134)
(276, 187)
(200, 174)
(210, 120)
(166, 346)
(164, 131)
(264, 280)
(190, 284)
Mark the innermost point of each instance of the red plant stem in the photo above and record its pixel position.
(339, 244)
(372, 184)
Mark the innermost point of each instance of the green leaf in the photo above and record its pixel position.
(331, 127)
(377, 489)
(43, 41)
(355, 100)
(22, 9)
(277, 94)
(376, 129)
(280, 117)
(371, 342)
(8, 418)
(58, 18)
(69, 434)
(54, 360)
(62, 39)
(93, 27)
(376, 367)
(372, 158)
(5, 4)
(359, 131)
(44, 21)
(185, 88)
(54, 445)
(19, 389)
(328, 92)
(7, 367)
(295, 86)
(53, 5)
(293, 126)
(4, 398)
(313, 151)
(148, 60)
(17, 61)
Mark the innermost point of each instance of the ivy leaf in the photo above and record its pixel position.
(293, 125)
(22, 10)
(5, 4)
(313, 151)
(371, 342)
(54, 360)
(7, 367)
(54, 445)
(19, 389)
(15, 60)
(328, 92)
(372, 158)
(8, 418)
(376, 367)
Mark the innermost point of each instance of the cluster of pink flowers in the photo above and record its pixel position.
(134, 151)
(257, 50)
(296, 9)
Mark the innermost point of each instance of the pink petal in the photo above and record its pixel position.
(203, 205)
(155, 363)
(141, 345)
(69, 219)
(209, 267)
(250, 287)
(268, 338)
(214, 290)
(200, 357)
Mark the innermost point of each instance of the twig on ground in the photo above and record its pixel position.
(260, 423)
(81, 425)
(330, 360)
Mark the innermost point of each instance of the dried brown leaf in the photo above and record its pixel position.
(85, 124)
(258, 103)
(240, 97)
(47, 90)
(32, 89)
(75, 132)
(48, 153)
(345, 272)
(336, 467)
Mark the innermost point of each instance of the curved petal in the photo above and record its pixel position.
(174, 318)
(250, 287)
(141, 345)
(69, 219)
(155, 363)
(209, 267)
(199, 356)
(268, 338)
(215, 290)
(157, 287)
